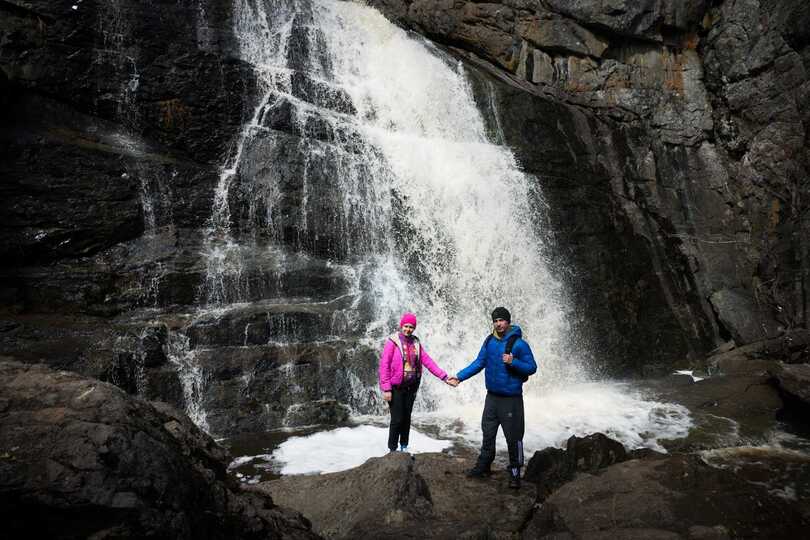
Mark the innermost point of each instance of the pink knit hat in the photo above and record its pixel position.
(408, 318)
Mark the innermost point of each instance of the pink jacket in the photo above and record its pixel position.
(391, 369)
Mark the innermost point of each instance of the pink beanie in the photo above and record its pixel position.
(408, 318)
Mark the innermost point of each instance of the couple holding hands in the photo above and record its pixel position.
(507, 362)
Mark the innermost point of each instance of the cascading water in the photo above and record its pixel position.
(394, 176)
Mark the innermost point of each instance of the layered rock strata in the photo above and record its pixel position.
(114, 260)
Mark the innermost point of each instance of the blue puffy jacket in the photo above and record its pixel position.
(501, 379)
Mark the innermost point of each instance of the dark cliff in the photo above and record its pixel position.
(668, 137)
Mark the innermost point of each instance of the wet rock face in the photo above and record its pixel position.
(120, 116)
(80, 458)
(111, 149)
(670, 141)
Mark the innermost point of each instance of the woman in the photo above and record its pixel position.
(400, 371)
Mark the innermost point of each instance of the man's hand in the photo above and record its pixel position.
(387, 396)
(452, 381)
(507, 358)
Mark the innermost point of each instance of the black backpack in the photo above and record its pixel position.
(509, 344)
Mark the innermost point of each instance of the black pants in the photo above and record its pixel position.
(506, 412)
(401, 406)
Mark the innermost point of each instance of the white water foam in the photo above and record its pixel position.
(580, 409)
(343, 448)
(616, 410)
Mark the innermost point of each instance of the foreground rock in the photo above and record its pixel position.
(601, 492)
(551, 467)
(668, 498)
(400, 496)
(80, 458)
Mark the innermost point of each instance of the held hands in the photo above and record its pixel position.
(452, 381)
(387, 396)
(507, 359)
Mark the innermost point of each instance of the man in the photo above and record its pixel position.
(504, 375)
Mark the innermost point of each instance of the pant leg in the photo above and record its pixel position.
(409, 397)
(510, 414)
(397, 408)
(489, 430)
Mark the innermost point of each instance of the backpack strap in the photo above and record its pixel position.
(511, 343)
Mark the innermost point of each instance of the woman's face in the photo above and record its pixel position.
(408, 329)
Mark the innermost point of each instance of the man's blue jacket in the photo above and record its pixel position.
(502, 379)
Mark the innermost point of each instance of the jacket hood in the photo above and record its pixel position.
(513, 330)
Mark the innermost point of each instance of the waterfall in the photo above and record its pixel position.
(191, 377)
(397, 175)
(463, 229)
(366, 150)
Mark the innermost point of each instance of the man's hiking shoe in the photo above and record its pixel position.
(514, 479)
(403, 447)
(478, 472)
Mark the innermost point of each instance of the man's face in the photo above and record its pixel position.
(407, 329)
(501, 326)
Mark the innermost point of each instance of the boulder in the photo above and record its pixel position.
(743, 318)
(669, 497)
(80, 458)
(404, 496)
(794, 380)
(550, 468)
(759, 357)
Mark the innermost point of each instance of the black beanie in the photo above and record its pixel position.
(501, 313)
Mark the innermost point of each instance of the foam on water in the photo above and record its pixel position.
(559, 412)
(615, 409)
(343, 448)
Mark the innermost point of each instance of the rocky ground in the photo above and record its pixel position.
(742, 472)
(654, 496)
(80, 458)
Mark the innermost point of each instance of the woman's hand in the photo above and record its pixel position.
(387, 396)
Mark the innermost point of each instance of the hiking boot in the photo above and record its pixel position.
(514, 478)
(478, 472)
(403, 447)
